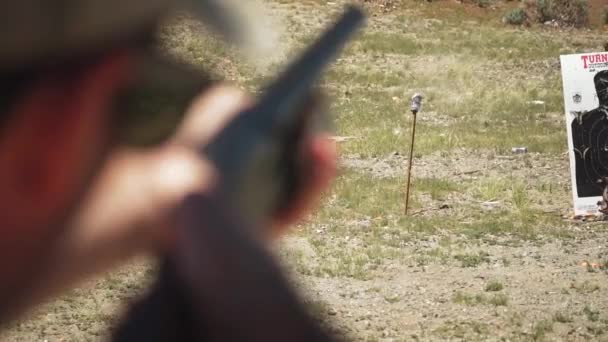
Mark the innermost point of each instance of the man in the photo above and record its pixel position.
(75, 200)
(590, 143)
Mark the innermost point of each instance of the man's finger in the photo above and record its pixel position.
(322, 152)
(209, 113)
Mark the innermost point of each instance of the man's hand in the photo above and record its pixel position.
(138, 188)
(128, 210)
(212, 111)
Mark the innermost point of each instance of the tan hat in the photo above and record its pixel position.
(33, 31)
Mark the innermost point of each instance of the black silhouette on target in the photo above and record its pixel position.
(590, 140)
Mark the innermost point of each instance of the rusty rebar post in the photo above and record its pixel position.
(416, 104)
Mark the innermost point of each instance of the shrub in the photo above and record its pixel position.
(565, 12)
(545, 11)
(483, 3)
(516, 16)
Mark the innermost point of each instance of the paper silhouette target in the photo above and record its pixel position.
(585, 81)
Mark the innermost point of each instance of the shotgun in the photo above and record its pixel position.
(222, 284)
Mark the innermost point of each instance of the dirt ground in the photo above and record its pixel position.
(416, 302)
(556, 288)
(551, 288)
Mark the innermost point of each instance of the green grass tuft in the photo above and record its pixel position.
(494, 286)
